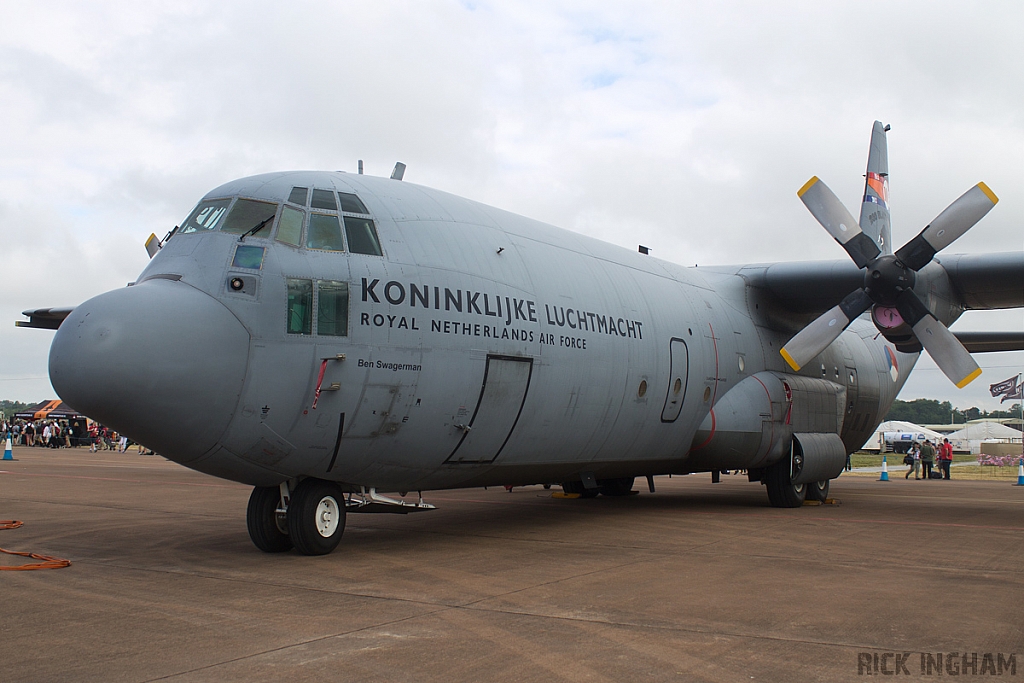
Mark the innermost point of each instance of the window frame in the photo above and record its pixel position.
(288, 307)
(303, 214)
(314, 316)
(341, 231)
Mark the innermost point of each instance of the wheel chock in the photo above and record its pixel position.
(563, 494)
(812, 502)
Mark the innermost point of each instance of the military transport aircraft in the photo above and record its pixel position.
(331, 337)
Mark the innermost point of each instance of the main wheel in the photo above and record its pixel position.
(617, 487)
(268, 531)
(316, 516)
(783, 493)
(818, 491)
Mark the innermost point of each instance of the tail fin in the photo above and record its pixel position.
(874, 212)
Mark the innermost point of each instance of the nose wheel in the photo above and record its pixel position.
(313, 523)
(316, 516)
(268, 528)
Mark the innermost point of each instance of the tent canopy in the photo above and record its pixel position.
(979, 431)
(873, 442)
(50, 410)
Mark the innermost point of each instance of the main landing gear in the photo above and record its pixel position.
(311, 517)
(783, 493)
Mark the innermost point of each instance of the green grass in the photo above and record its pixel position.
(867, 459)
(897, 468)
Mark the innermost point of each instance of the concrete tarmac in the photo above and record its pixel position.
(697, 582)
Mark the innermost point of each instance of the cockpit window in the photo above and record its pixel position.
(324, 233)
(289, 229)
(300, 306)
(324, 199)
(362, 237)
(298, 195)
(246, 214)
(206, 216)
(351, 203)
(332, 308)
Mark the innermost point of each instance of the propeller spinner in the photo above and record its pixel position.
(889, 279)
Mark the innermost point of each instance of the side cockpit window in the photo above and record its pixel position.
(332, 308)
(359, 229)
(330, 301)
(362, 236)
(300, 306)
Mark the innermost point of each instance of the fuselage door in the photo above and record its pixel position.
(506, 381)
(678, 368)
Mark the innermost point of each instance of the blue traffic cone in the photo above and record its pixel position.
(1020, 470)
(8, 451)
(885, 470)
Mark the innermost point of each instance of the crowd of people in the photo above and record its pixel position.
(42, 433)
(921, 457)
(55, 433)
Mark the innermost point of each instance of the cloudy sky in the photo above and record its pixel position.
(684, 126)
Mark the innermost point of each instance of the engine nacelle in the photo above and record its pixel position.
(753, 424)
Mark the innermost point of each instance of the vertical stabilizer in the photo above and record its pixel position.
(874, 212)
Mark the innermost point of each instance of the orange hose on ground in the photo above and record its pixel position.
(46, 562)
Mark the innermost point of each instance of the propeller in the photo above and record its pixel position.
(889, 279)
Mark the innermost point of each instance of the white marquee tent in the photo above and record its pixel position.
(919, 433)
(976, 432)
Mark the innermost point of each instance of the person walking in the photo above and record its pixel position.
(927, 458)
(945, 458)
(915, 461)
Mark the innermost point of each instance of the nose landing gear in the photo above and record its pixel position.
(313, 521)
(268, 528)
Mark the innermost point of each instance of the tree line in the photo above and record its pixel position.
(930, 411)
(9, 408)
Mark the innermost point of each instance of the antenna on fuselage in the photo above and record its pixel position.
(360, 167)
(399, 171)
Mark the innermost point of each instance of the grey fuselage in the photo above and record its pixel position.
(481, 348)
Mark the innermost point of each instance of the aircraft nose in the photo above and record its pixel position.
(160, 362)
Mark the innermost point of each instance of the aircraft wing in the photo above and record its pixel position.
(44, 318)
(987, 281)
(807, 287)
(979, 281)
(986, 342)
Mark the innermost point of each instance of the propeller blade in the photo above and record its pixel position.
(816, 337)
(837, 220)
(944, 348)
(958, 218)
